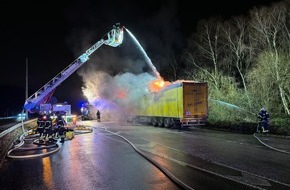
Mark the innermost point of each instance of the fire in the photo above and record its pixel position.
(121, 94)
(157, 84)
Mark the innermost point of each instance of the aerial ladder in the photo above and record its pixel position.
(113, 38)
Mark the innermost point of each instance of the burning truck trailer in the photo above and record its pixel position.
(181, 103)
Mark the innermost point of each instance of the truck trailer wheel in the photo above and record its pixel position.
(167, 122)
(154, 121)
(160, 122)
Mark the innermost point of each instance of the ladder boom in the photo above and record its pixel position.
(113, 38)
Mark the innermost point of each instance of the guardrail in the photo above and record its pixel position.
(11, 134)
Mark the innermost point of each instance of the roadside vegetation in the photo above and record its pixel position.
(246, 62)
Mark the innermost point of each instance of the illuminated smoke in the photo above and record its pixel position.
(115, 96)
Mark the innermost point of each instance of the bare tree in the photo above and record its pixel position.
(238, 50)
(268, 30)
(261, 85)
(205, 48)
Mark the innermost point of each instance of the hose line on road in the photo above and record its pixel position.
(273, 148)
(31, 137)
(18, 146)
(164, 170)
(34, 155)
(171, 176)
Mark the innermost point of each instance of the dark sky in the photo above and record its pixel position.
(52, 34)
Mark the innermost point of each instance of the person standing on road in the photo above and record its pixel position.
(98, 116)
(48, 129)
(60, 123)
(40, 127)
(264, 118)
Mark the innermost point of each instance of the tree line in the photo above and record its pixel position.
(245, 59)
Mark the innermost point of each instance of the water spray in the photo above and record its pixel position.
(148, 60)
(231, 105)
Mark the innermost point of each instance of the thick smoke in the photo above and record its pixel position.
(115, 96)
(115, 79)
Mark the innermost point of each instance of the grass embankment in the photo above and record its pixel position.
(241, 121)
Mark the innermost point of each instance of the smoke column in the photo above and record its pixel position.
(145, 54)
(117, 95)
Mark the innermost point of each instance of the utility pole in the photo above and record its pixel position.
(26, 88)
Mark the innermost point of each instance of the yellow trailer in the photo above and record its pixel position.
(183, 103)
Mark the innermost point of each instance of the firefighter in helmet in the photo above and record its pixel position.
(60, 122)
(40, 126)
(264, 118)
(48, 131)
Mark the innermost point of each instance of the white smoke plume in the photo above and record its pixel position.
(115, 79)
(115, 96)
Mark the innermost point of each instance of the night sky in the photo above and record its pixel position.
(51, 34)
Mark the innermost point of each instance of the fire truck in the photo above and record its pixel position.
(42, 96)
(63, 109)
(87, 111)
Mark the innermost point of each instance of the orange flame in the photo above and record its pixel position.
(121, 94)
(157, 84)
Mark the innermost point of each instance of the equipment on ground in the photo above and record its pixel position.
(113, 38)
(69, 135)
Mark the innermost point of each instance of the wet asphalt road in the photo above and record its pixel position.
(89, 161)
(105, 159)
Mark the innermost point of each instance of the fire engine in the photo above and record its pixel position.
(87, 111)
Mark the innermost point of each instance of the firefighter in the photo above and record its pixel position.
(61, 129)
(60, 122)
(40, 127)
(264, 118)
(61, 133)
(48, 129)
(98, 116)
